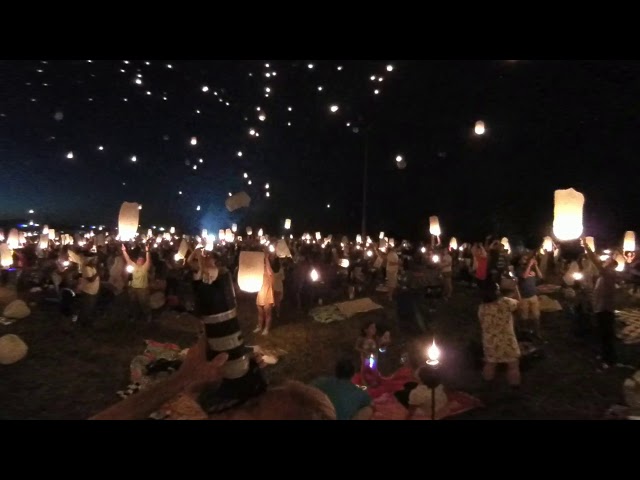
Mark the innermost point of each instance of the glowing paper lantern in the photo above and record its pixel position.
(547, 244)
(183, 249)
(166, 236)
(344, 263)
(6, 255)
(1, 235)
(591, 243)
(314, 275)
(358, 238)
(172, 230)
(453, 243)
(239, 200)
(287, 224)
(22, 239)
(14, 239)
(251, 271)
(260, 233)
(234, 228)
(381, 235)
(282, 249)
(629, 244)
(221, 234)
(249, 231)
(318, 236)
(228, 235)
(434, 226)
(621, 262)
(52, 234)
(45, 230)
(479, 128)
(567, 215)
(209, 240)
(505, 244)
(128, 221)
(44, 242)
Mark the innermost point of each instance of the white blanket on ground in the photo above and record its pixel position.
(353, 307)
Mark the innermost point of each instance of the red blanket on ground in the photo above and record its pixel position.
(387, 406)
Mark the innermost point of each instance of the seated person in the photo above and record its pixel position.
(421, 397)
(350, 402)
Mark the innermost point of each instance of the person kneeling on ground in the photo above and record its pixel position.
(350, 402)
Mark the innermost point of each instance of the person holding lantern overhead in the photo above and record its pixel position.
(527, 273)
(603, 305)
(140, 282)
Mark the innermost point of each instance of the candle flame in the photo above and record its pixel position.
(433, 353)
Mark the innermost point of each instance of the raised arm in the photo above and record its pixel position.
(127, 259)
(592, 256)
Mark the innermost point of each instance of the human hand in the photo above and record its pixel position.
(196, 372)
(146, 248)
(124, 249)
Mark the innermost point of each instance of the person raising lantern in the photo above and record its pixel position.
(140, 282)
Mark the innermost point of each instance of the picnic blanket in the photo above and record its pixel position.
(629, 321)
(387, 406)
(328, 314)
(360, 305)
(343, 310)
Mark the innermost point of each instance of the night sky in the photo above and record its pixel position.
(550, 124)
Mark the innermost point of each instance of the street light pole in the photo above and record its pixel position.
(364, 183)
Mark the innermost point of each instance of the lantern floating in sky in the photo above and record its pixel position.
(128, 221)
(334, 108)
(249, 231)
(251, 271)
(172, 230)
(228, 235)
(567, 215)
(434, 226)
(389, 68)
(287, 224)
(44, 242)
(234, 228)
(318, 236)
(479, 128)
(260, 233)
(221, 234)
(453, 243)
(194, 141)
(70, 155)
(629, 244)
(591, 243)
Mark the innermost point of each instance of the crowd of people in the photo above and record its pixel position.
(90, 279)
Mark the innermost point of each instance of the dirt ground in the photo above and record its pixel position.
(72, 372)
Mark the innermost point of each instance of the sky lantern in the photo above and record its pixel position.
(234, 228)
(249, 231)
(13, 241)
(567, 215)
(209, 240)
(621, 262)
(547, 244)
(228, 235)
(194, 141)
(260, 233)
(358, 238)
(314, 275)
(505, 244)
(221, 234)
(591, 243)
(381, 235)
(52, 234)
(287, 224)
(128, 221)
(318, 236)
(172, 230)
(434, 226)
(629, 244)
(479, 128)
(45, 230)
(453, 243)
(44, 242)
(6, 255)
(251, 271)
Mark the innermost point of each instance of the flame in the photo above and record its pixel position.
(433, 353)
(578, 276)
(314, 275)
